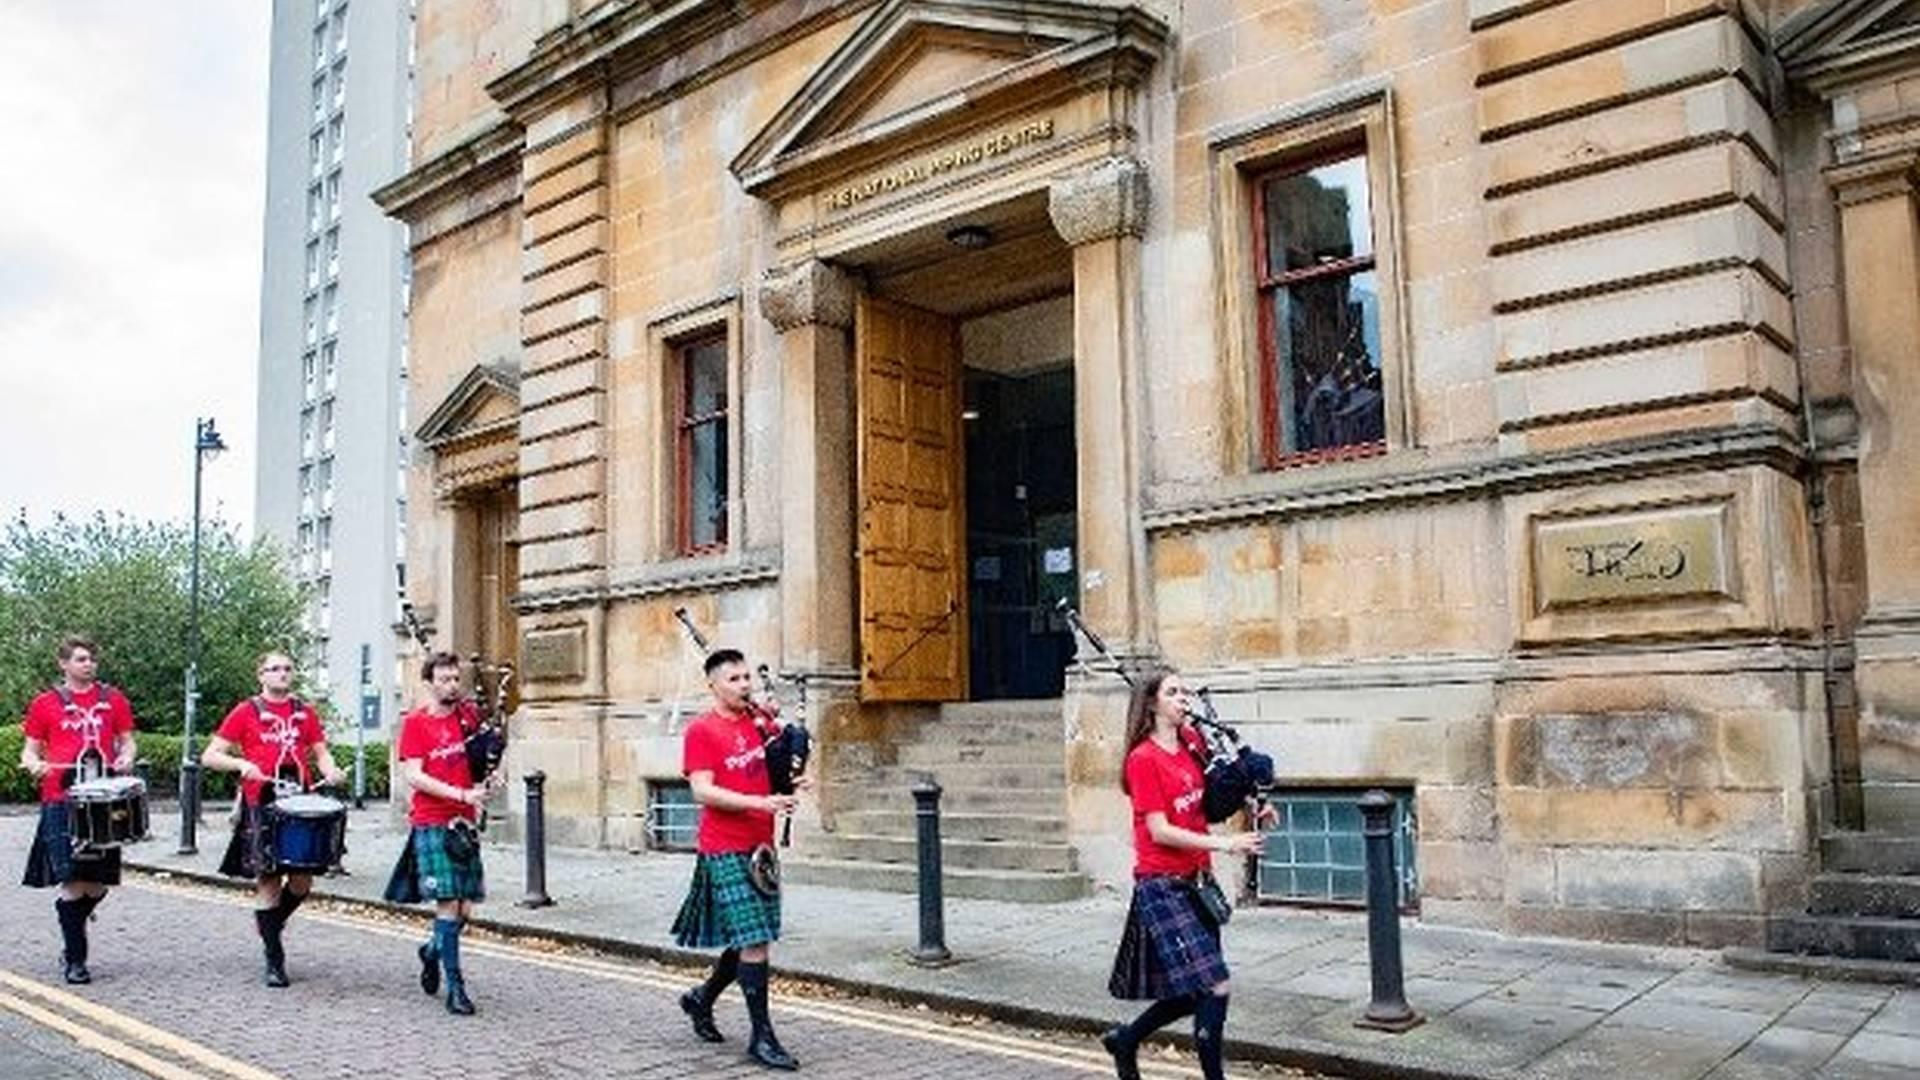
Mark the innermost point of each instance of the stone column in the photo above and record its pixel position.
(1102, 212)
(1880, 242)
(811, 304)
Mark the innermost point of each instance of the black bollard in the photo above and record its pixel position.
(1388, 1011)
(536, 842)
(932, 950)
(189, 807)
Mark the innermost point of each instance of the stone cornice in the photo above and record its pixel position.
(1384, 482)
(1883, 176)
(1106, 201)
(414, 193)
(1834, 46)
(757, 567)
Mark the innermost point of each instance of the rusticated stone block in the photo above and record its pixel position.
(1610, 750)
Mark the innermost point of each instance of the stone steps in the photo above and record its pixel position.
(1039, 802)
(955, 853)
(1018, 886)
(1019, 828)
(942, 755)
(1002, 776)
(1852, 936)
(1870, 853)
(1881, 896)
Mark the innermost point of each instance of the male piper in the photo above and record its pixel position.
(261, 735)
(79, 714)
(728, 906)
(441, 860)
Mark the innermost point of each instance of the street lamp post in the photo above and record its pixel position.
(206, 443)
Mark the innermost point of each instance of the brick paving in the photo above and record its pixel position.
(1496, 1006)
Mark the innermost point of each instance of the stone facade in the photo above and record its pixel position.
(1624, 593)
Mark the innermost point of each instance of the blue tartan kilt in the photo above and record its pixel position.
(1167, 949)
(52, 861)
(723, 910)
(427, 870)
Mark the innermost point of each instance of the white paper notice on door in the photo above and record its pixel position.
(1058, 560)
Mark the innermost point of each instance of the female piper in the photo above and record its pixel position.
(1170, 950)
(262, 733)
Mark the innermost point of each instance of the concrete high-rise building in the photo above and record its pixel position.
(332, 328)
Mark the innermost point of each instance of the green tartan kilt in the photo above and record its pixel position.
(723, 910)
(426, 870)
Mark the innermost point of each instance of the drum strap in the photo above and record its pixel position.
(104, 691)
(262, 717)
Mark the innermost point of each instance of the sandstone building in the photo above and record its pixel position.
(1502, 402)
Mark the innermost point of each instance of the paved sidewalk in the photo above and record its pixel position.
(1496, 1006)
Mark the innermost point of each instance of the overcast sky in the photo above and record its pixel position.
(132, 177)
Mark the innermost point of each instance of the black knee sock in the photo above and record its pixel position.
(73, 928)
(88, 903)
(724, 970)
(269, 921)
(1209, 1026)
(290, 902)
(753, 986)
(446, 936)
(1156, 1016)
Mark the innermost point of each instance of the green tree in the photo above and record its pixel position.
(124, 584)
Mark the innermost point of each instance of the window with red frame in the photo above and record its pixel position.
(1320, 385)
(701, 435)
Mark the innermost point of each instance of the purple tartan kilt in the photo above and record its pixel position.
(1167, 950)
(250, 850)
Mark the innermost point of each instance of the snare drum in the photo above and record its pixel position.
(309, 832)
(107, 812)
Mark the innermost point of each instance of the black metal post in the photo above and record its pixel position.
(536, 842)
(932, 949)
(189, 806)
(1388, 1011)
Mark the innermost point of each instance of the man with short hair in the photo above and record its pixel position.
(441, 860)
(727, 907)
(78, 716)
(261, 737)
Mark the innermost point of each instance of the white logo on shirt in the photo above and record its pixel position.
(1183, 803)
(738, 762)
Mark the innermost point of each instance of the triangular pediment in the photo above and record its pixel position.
(485, 399)
(1850, 40)
(913, 63)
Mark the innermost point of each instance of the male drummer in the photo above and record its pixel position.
(725, 761)
(78, 714)
(441, 860)
(266, 738)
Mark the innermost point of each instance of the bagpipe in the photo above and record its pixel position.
(485, 723)
(1237, 775)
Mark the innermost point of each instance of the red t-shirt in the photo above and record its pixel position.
(287, 733)
(1169, 782)
(734, 749)
(64, 732)
(439, 743)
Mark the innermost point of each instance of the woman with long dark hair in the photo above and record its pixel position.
(1170, 951)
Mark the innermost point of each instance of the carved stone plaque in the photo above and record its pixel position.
(554, 654)
(1632, 555)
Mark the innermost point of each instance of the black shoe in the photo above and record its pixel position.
(1126, 1059)
(429, 970)
(276, 975)
(701, 1013)
(458, 1003)
(767, 1050)
(76, 972)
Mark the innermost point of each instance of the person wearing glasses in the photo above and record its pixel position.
(268, 740)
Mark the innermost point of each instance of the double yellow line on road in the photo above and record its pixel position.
(131, 1042)
(981, 1039)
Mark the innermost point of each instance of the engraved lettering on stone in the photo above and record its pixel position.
(969, 153)
(554, 654)
(1629, 556)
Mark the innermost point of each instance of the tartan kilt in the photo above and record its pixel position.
(250, 852)
(52, 861)
(426, 870)
(723, 910)
(1167, 950)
